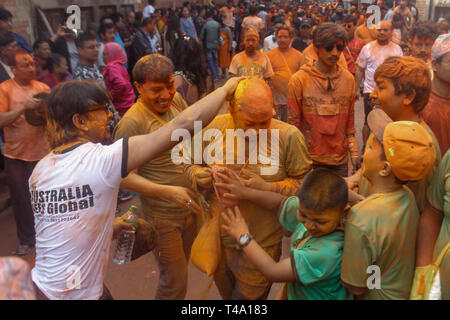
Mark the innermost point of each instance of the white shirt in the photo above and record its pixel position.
(371, 56)
(148, 11)
(8, 70)
(270, 43)
(74, 200)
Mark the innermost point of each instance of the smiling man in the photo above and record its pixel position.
(320, 102)
(166, 201)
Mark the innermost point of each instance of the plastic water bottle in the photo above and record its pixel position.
(125, 240)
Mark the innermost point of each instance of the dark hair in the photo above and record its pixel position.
(67, 99)
(53, 60)
(350, 18)
(253, 10)
(423, 30)
(92, 26)
(84, 38)
(153, 67)
(151, 2)
(327, 34)
(5, 14)
(6, 38)
(115, 17)
(186, 55)
(209, 13)
(323, 189)
(397, 17)
(38, 43)
(104, 27)
(147, 21)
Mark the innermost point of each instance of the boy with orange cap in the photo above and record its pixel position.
(380, 231)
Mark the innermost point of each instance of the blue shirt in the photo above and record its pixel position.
(187, 26)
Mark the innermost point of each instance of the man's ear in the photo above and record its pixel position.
(434, 64)
(409, 98)
(386, 170)
(138, 87)
(79, 122)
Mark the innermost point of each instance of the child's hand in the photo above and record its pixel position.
(255, 181)
(233, 223)
(236, 190)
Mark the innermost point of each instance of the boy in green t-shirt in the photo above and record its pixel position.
(380, 233)
(315, 217)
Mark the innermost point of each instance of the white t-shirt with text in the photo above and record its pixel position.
(74, 200)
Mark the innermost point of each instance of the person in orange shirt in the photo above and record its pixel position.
(251, 62)
(25, 144)
(364, 33)
(285, 62)
(320, 102)
(354, 45)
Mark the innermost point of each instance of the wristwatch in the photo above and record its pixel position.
(244, 240)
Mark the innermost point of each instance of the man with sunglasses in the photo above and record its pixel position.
(74, 188)
(354, 45)
(372, 55)
(320, 102)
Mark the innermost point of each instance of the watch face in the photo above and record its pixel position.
(244, 239)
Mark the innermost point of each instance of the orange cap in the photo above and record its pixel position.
(407, 145)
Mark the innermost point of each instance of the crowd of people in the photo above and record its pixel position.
(87, 117)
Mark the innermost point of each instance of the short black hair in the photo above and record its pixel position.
(6, 38)
(327, 34)
(253, 10)
(102, 19)
(38, 43)
(5, 14)
(116, 16)
(322, 189)
(146, 21)
(54, 60)
(84, 38)
(64, 101)
(351, 18)
(153, 67)
(423, 30)
(104, 27)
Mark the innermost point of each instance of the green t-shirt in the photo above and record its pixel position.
(139, 120)
(439, 197)
(419, 188)
(381, 231)
(316, 262)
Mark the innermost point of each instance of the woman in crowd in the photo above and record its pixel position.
(116, 77)
(41, 52)
(58, 70)
(225, 48)
(190, 75)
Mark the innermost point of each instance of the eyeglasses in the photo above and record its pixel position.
(339, 47)
(105, 107)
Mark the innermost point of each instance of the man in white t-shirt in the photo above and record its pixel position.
(149, 9)
(371, 56)
(74, 188)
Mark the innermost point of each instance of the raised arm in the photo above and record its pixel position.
(144, 148)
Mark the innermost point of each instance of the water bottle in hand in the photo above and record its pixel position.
(125, 239)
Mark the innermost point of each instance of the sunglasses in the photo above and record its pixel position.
(339, 47)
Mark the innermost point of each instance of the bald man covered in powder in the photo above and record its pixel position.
(265, 154)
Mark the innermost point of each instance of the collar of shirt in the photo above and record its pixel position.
(7, 69)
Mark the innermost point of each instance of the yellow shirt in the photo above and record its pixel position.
(139, 120)
(294, 163)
